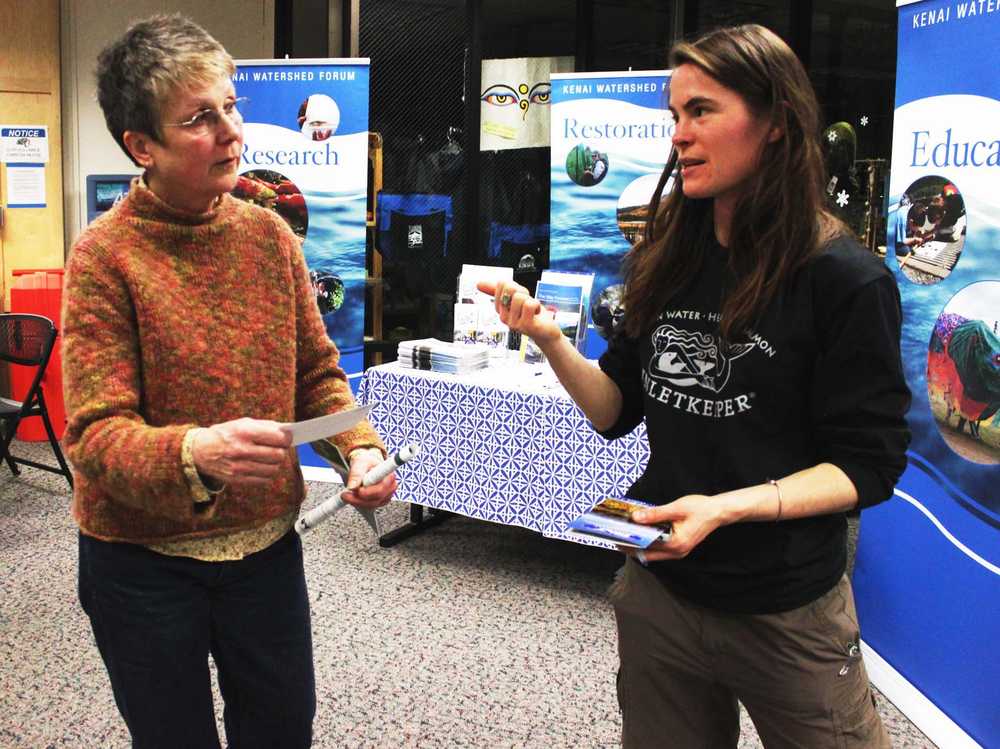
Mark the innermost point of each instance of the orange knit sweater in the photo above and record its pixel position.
(172, 321)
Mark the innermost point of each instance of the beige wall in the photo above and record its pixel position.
(29, 95)
(245, 28)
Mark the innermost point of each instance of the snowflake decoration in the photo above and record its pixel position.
(843, 198)
(864, 120)
(831, 136)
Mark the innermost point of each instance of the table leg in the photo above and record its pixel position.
(417, 524)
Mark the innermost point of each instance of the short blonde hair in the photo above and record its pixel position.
(155, 57)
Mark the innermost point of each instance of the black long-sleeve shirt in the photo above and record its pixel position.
(818, 379)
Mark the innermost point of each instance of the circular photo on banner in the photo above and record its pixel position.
(633, 205)
(318, 117)
(275, 191)
(586, 166)
(929, 230)
(963, 373)
(329, 289)
(608, 311)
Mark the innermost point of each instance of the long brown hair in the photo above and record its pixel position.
(779, 222)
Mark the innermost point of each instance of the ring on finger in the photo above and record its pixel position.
(505, 300)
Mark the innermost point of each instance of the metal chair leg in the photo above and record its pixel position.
(6, 437)
(54, 443)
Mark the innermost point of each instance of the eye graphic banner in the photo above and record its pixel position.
(514, 103)
(927, 575)
(610, 140)
(305, 156)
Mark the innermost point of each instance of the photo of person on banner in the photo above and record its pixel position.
(761, 345)
(930, 246)
(318, 117)
(191, 336)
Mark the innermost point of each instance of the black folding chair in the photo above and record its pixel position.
(28, 340)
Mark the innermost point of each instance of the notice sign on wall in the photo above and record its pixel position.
(25, 186)
(24, 144)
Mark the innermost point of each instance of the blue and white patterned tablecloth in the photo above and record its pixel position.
(501, 445)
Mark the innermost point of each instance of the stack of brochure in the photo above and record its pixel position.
(442, 356)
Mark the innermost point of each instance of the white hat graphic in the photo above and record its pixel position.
(322, 116)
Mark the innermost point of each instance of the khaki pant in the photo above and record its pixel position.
(683, 667)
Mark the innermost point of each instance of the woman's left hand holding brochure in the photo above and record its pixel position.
(692, 518)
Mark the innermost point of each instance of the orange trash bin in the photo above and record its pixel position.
(39, 292)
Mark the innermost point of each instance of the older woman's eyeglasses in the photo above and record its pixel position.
(208, 119)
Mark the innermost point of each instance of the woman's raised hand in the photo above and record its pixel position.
(243, 451)
(521, 312)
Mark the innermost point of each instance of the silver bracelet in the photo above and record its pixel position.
(777, 488)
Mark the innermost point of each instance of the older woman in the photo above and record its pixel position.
(191, 333)
(761, 346)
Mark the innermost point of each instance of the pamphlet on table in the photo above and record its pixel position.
(472, 274)
(567, 297)
(476, 318)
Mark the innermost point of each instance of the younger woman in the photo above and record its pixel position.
(761, 346)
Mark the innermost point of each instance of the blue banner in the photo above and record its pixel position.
(610, 135)
(927, 576)
(305, 156)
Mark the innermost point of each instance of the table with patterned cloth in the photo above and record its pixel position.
(505, 444)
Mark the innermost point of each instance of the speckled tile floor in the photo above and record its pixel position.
(470, 635)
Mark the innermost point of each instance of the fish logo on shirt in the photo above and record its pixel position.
(685, 358)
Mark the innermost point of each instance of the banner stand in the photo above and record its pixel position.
(927, 570)
(305, 156)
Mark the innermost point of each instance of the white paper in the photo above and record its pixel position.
(325, 426)
(25, 186)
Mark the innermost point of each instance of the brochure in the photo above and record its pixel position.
(466, 323)
(567, 297)
(473, 274)
(609, 520)
(583, 281)
(332, 455)
(564, 303)
(490, 330)
(476, 319)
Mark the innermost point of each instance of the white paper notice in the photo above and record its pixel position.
(24, 144)
(25, 186)
(325, 426)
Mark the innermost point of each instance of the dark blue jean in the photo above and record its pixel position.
(156, 618)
